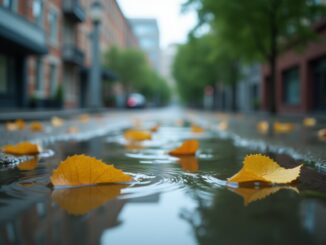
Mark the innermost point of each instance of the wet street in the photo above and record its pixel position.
(172, 200)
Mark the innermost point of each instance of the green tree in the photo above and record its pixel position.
(136, 75)
(259, 29)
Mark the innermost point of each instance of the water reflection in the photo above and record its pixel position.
(174, 200)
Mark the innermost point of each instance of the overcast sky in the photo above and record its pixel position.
(173, 25)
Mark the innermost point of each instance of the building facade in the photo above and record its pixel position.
(300, 78)
(45, 54)
(148, 34)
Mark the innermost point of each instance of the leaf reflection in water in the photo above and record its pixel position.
(28, 165)
(189, 163)
(250, 195)
(79, 201)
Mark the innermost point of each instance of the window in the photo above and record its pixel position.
(3, 75)
(147, 43)
(38, 11)
(53, 79)
(39, 75)
(53, 20)
(291, 86)
(10, 4)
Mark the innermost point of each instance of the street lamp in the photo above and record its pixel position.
(95, 83)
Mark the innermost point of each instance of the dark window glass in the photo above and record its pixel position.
(291, 86)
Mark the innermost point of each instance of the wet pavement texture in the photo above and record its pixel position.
(176, 200)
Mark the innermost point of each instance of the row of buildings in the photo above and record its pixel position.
(300, 81)
(45, 49)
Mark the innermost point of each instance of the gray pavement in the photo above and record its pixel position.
(301, 144)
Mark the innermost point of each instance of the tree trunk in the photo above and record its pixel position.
(271, 82)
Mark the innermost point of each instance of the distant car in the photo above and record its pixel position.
(136, 100)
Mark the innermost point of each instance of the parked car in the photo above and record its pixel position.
(136, 100)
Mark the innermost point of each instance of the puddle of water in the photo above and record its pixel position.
(172, 200)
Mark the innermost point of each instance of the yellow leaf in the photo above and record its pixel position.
(283, 127)
(23, 148)
(262, 168)
(196, 129)
(189, 163)
(134, 146)
(309, 122)
(17, 125)
(250, 195)
(189, 147)
(81, 170)
(36, 126)
(322, 134)
(56, 121)
(137, 135)
(72, 130)
(79, 201)
(84, 118)
(20, 124)
(28, 165)
(222, 126)
(155, 128)
(263, 127)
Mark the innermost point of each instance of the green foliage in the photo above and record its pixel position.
(259, 30)
(198, 64)
(135, 73)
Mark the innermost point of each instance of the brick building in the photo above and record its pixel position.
(300, 77)
(45, 49)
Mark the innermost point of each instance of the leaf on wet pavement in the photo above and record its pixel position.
(137, 135)
(262, 127)
(322, 134)
(28, 165)
(262, 168)
(309, 122)
(36, 126)
(19, 124)
(188, 147)
(197, 129)
(84, 118)
(79, 170)
(155, 128)
(189, 163)
(57, 121)
(283, 127)
(222, 126)
(72, 130)
(79, 201)
(250, 195)
(23, 148)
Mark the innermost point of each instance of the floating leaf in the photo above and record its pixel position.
(197, 129)
(36, 126)
(23, 148)
(283, 127)
(79, 201)
(262, 168)
(81, 170)
(263, 127)
(84, 118)
(137, 135)
(189, 163)
(252, 194)
(189, 147)
(309, 122)
(72, 130)
(28, 165)
(57, 121)
(322, 134)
